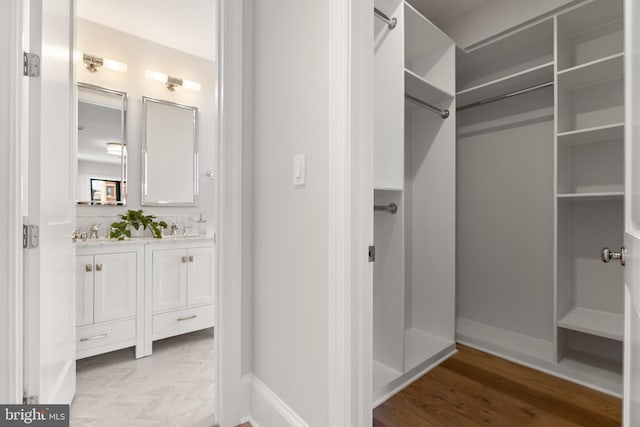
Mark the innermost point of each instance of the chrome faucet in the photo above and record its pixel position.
(174, 228)
(94, 231)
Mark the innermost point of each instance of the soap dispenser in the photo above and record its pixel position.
(201, 226)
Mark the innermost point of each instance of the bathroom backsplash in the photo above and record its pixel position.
(188, 223)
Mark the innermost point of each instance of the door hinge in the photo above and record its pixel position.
(30, 236)
(30, 64)
(29, 400)
(372, 253)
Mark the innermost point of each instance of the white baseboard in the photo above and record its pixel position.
(534, 353)
(268, 409)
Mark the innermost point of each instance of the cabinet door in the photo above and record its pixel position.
(169, 279)
(115, 286)
(84, 290)
(201, 282)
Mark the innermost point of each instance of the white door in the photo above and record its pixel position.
(632, 216)
(200, 284)
(115, 282)
(50, 274)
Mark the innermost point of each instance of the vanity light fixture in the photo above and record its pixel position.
(94, 63)
(172, 83)
(115, 148)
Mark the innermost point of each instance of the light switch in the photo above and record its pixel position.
(299, 170)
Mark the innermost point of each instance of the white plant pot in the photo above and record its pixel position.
(136, 234)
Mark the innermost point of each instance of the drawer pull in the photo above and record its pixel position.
(180, 319)
(185, 259)
(98, 267)
(190, 258)
(88, 268)
(95, 337)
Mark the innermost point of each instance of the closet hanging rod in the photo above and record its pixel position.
(391, 22)
(391, 208)
(506, 95)
(442, 113)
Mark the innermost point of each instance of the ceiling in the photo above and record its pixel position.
(443, 12)
(98, 125)
(185, 25)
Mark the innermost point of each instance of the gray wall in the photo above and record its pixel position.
(290, 257)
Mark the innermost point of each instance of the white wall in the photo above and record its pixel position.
(496, 17)
(290, 257)
(141, 55)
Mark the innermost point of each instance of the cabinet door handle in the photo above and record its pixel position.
(181, 319)
(190, 258)
(95, 337)
(98, 267)
(88, 268)
(185, 259)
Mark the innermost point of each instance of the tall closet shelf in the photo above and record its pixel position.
(420, 346)
(419, 30)
(594, 322)
(517, 81)
(421, 89)
(383, 374)
(599, 71)
(594, 134)
(605, 195)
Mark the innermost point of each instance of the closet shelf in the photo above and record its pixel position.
(594, 134)
(599, 71)
(420, 346)
(594, 322)
(383, 374)
(418, 30)
(605, 195)
(419, 88)
(520, 80)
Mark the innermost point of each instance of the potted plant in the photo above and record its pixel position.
(139, 222)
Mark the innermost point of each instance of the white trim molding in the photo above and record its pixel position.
(350, 212)
(11, 101)
(232, 400)
(268, 409)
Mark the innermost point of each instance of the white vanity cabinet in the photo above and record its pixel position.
(109, 299)
(180, 286)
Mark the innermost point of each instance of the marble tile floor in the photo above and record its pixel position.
(173, 387)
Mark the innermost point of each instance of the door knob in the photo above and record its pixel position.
(607, 255)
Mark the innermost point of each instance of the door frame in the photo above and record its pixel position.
(11, 253)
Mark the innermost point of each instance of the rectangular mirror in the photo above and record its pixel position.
(102, 146)
(169, 153)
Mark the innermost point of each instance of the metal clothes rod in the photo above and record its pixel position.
(442, 113)
(507, 95)
(391, 22)
(391, 208)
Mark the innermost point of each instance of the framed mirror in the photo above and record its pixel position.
(102, 146)
(169, 154)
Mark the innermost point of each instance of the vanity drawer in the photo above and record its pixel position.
(183, 321)
(105, 337)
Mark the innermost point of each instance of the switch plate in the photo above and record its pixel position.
(299, 170)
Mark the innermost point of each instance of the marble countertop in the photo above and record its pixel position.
(103, 241)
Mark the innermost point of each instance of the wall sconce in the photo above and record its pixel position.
(94, 63)
(172, 83)
(116, 149)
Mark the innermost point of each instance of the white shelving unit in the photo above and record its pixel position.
(590, 188)
(414, 168)
(541, 180)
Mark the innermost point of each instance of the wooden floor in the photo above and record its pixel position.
(476, 389)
